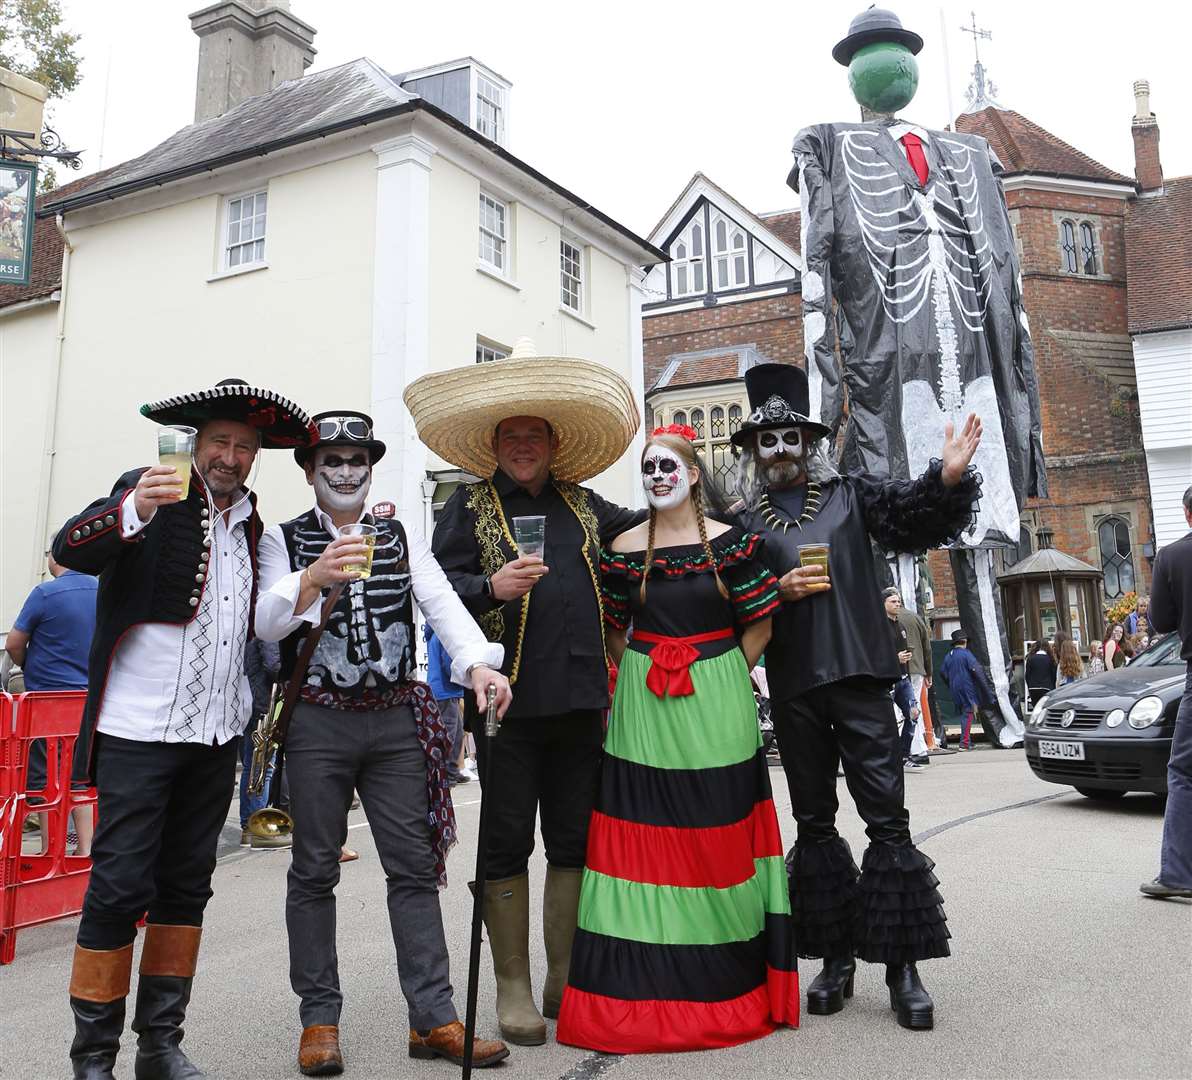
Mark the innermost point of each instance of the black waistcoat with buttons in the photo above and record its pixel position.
(157, 576)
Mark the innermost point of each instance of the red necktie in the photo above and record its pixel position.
(914, 154)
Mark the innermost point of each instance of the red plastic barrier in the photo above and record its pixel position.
(39, 888)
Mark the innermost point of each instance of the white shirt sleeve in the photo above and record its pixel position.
(130, 520)
(449, 619)
(278, 589)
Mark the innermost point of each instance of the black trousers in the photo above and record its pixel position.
(161, 808)
(548, 765)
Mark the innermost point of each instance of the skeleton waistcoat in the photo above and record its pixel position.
(369, 640)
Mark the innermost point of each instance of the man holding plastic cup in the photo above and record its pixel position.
(363, 723)
(830, 664)
(166, 698)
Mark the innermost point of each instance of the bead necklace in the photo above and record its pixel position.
(810, 508)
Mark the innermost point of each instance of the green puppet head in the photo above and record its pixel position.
(883, 77)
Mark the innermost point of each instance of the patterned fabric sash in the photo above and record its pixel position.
(671, 660)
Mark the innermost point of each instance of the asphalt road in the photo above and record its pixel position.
(1060, 968)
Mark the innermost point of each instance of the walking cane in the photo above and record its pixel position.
(485, 760)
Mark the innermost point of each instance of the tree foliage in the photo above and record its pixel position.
(34, 44)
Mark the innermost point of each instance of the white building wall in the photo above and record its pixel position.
(1163, 365)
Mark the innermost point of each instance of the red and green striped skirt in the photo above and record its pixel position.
(684, 938)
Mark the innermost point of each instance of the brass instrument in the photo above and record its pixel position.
(270, 822)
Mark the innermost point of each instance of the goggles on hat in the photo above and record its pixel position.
(351, 427)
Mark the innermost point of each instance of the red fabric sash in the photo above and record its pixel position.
(915, 155)
(671, 660)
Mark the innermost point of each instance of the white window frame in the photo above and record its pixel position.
(566, 277)
(689, 263)
(491, 94)
(226, 246)
(497, 243)
(489, 351)
(730, 257)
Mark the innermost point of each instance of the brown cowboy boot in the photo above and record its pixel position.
(560, 905)
(318, 1052)
(163, 992)
(99, 983)
(448, 1042)
(507, 916)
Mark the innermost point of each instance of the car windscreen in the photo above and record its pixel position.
(1164, 651)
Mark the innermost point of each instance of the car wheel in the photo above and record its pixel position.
(1101, 794)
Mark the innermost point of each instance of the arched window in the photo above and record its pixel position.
(716, 421)
(697, 421)
(1117, 564)
(1088, 249)
(729, 269)
(678, 417)
(687, 262)
(734, 419)
(1068, 246)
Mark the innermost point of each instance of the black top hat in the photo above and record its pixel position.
(874, 24)
(958, 636)
(278, 421)
(343, 427)
(778, 397)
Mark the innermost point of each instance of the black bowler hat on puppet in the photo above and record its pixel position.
(343, 427)
(778, 398)
(276, 419)
(874, 24)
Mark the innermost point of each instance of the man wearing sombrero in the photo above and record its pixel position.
(533, 428)
(362, 722)
(167, 696)
(830, 665)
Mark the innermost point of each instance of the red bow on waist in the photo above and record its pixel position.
(671, 660)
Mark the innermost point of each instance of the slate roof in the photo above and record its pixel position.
(1159, 258)
(1047, 561)
(1110, 355)
(1024, 147)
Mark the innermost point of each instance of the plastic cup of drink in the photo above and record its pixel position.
(368, 535)
(529, 534)
(176, 447)
(815, 555)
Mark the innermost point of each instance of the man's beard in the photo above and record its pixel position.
(782, 472)
(220, 482)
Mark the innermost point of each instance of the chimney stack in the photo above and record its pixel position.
(1148, 170)
(246, 48)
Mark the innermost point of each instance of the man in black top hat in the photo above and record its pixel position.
(166, 698)
(831, 663)
(364, 723)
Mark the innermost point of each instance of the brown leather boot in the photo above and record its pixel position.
(98, 989)
(507, 916)
(560, 905)
(448, 1042)
(318, 1052)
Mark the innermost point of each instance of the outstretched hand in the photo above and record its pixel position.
(959, 449)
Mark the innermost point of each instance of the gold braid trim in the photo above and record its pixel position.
(491, 529)
(576, 498)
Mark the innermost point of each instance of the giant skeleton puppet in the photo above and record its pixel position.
(906, 229)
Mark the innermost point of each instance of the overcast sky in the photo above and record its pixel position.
(621, 102)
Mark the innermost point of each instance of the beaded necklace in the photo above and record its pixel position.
(811, 507)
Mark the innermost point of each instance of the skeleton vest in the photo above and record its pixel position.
(369, 640)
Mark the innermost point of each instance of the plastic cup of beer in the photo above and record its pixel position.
(815, 555)
(176, 447)
(368, 535)
(529, 534)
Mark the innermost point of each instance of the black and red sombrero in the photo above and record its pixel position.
(281, 423)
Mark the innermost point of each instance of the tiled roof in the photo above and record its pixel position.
(1159, 258)
(785, 225)
(1024, 147)
(707, 366)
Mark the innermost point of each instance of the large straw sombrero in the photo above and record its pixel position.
(590, 408)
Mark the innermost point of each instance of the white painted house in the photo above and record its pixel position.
(333, 237)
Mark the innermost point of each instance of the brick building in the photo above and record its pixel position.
(717, 308)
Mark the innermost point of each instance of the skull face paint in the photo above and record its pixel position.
(776, 442)
(664, 478)
(342, 477)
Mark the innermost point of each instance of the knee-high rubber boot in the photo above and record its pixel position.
(507, 916)
(560, 905)
(163, 992)
(98, 988)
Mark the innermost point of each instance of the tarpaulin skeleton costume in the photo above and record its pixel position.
(907, 231)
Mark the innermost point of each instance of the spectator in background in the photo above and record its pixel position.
(1070, 666)
(918, 637)
(262, 662)
(969, 685)
(1136, 621)
(901, 690)
(1115, 652)
(50, 641)
(450, 697)
(1040, 672)
(1096, 658)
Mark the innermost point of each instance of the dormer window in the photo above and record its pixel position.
(687, 262)
(728, 251)
(490, 109)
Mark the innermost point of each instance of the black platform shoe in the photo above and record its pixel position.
(831, 986)
(908, 998)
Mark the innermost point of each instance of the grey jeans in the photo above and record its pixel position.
(328, 753)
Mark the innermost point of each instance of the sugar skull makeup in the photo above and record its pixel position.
(773, 442)
(664, 478)
(342, 478)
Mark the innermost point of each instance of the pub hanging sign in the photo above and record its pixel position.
(18, 191)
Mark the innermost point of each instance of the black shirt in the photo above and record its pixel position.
(901, 642)
(563, 667)
(1171, 593)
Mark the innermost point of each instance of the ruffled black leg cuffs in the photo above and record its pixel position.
(900, 917)
(823, 881)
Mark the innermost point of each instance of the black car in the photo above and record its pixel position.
(1111, 733)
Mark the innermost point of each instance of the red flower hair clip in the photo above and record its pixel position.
(682, 430)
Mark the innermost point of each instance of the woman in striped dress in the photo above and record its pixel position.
(684, 938)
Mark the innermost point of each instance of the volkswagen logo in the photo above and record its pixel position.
(1067, 718)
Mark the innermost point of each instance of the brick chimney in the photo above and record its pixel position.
(246, 48)
(1148, 170)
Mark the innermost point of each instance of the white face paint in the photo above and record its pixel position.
(664, 478)
(775, 441)
(342, 478)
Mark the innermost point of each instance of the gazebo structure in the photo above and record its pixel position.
(1049, 591)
